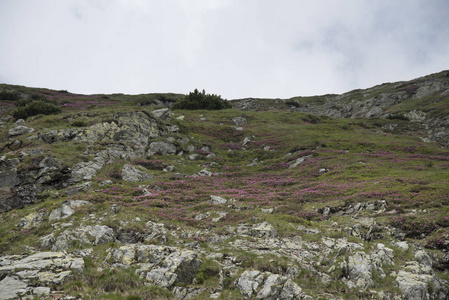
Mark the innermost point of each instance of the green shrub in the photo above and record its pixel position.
(13, 96)
(79, 123)
(33, 98)
(292, 103)
(196, 100)
(35, 108)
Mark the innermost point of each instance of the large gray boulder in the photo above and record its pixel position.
(163, 113)
(178, 267)
(87, 170)
(131, 173)
(29, 274)
(19, 130)
(11, 288)
(417, 281)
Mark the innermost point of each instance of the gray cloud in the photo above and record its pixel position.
(252, 48)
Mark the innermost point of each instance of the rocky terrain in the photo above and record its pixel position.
(327, 197)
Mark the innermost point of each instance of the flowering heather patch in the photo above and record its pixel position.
(413, 226)
(85, 104)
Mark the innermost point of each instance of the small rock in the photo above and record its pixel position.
(239, 121)
(204, 172)
(61, 213)
(163, 113)
(217, 200)
(115, 209)
(19, 130)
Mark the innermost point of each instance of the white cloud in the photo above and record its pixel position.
(251, 48)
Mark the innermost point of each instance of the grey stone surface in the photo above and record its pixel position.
(19, 130)
(161, 148)
(131, 173)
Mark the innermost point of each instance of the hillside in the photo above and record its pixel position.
(326, 197)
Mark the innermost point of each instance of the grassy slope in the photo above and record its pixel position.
(362, 164)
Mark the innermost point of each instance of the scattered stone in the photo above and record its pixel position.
(14, 145)
(115, 209)
(19, 130)
(61, 213)
(163, 113)
(32, 220)
(217, 200)
(239, 121)
(204, 172)
(82, 188)
(106, 182)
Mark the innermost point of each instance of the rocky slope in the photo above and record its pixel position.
(424, 102)
(115, 200)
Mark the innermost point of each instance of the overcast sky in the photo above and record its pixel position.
(235, 48)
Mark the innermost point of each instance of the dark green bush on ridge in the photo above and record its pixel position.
(13, 96)
(35, 108)
(200, 100)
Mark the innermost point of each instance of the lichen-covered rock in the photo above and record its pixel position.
(272, 287)
(47, 268)
(162, 148)
(61, 213)
(89, 235)
(62, 135)
(32, 220)
(249, 282)
(262, 230)
(163, 113)
(418, 282)
(19, 130)
(268, 286)
(359, 270)
(239, 121)
(131, 173)
(290, 291)
(217, 200)
(11, 288)
(87, 170)
(159, 265)
(156, 232)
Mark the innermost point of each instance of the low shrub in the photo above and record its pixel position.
(13, 96)
(35, 108)
(200, 100)
(292, 103)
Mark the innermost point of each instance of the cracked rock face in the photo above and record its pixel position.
(42, 268)
(159, 265)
